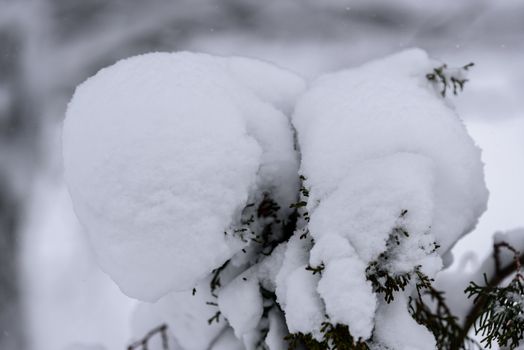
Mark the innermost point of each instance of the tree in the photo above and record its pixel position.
(255, 212)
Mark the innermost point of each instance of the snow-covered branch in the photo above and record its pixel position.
(250, 224)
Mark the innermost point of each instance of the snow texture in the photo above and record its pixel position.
(161, 154)
(241, 304)
(397, 330)
(296, 290)
(277, 331)
(304, 309)
(348, 296)
(369, 200)
(384, 108)
(377, 170)
(166, 154)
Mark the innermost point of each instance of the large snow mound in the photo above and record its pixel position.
(380, 109)
(184, 171)
(163, 151)
(390, 174)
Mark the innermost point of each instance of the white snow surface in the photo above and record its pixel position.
(295, 257)
(372, 152)
(162, 152)
(397, 330)
(241, 304)
(296, 290)
(348, 296)
(277, 331)
(368, 202)
(380, 109)
(304, 309)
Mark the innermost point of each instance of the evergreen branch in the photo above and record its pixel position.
(215, 317)
(495, 280)
(382, 279)
(215, 280)
(298, 205)
(443, 78)
(498, 312)
(316, 269)
(267, 208)
(386, 283)
(334, 337)
(502, 318)
(441, 322)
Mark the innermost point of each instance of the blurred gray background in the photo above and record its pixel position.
(52, 294)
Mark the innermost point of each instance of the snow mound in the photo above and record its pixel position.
(348, 296)
(390, 175)
(161, 154)
(184, 171)
(384, 108)
(241, 304)
(397, 330)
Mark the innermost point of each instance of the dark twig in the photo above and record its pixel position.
(516, 257)
(143, 343)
